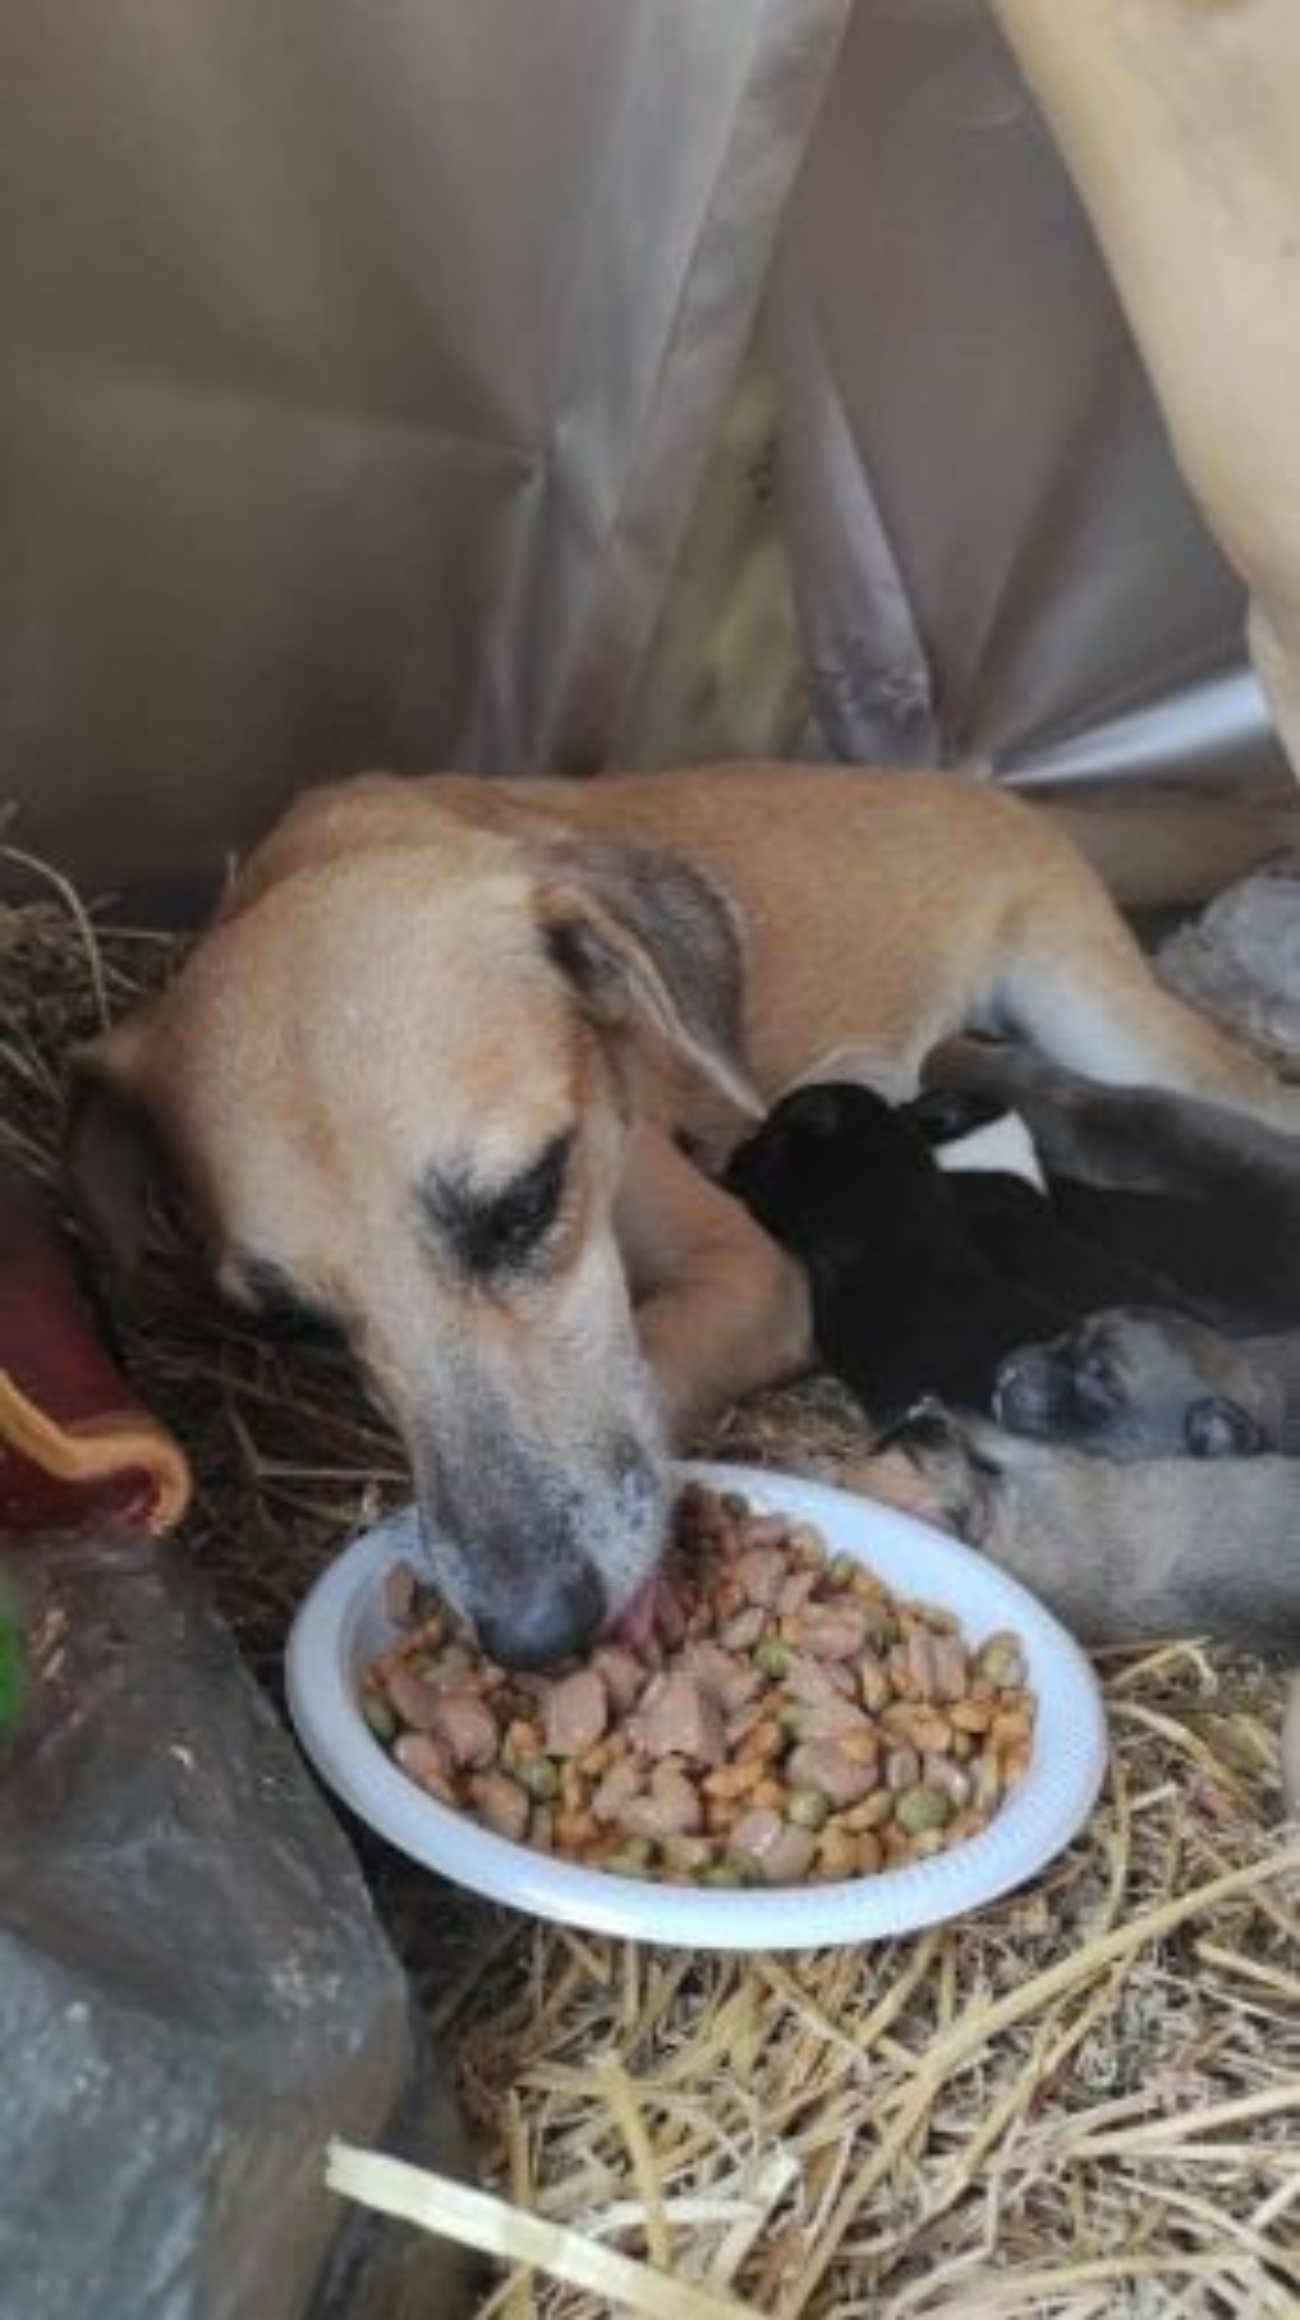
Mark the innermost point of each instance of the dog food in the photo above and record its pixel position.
(787, 1720)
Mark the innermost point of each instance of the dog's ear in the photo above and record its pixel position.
(643, 937)
(114, 1161)
(1214, 1427)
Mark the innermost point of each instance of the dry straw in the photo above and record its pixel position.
(1079, 2104)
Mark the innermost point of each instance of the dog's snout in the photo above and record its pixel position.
(552, 1622)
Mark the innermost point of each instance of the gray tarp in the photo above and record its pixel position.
(365, 369)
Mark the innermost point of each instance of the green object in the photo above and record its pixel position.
(773, 1656)
(539, 1776)
(13, 1670)
(922, 1808)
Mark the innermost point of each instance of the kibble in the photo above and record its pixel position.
(789, 1721)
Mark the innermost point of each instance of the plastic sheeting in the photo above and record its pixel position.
(994, 555)
(361, 363)
(366, 367)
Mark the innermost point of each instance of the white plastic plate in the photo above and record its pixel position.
(343, 1622)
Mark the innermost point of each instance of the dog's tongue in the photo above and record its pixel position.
(634, 1625)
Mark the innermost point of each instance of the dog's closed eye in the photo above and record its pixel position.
(275, 1300)
(492, 1233)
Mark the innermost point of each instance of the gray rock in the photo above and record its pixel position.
(195, 1993)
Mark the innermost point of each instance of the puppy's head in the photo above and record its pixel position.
(396, 1086)
(1136, 1384)
(835, 1173)
(955, 1462)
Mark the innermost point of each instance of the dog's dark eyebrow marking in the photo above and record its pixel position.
(498, 1229)
(275, 1298)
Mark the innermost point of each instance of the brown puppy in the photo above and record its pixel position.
(438, 1066)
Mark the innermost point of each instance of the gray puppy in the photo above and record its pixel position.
(1166, 1546)
(1132, 1383)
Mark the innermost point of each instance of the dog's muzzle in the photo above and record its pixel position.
(557, 1621)
(542, 1558)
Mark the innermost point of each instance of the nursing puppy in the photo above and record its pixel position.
(1121, 1552)
(1016, 1221)
(903, 1302)
(1161, 1546)
(1202, 1196)
(454, 1062)
(906, 1300)
(1135, 1384)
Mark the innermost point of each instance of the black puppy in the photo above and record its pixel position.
(922, 1281)
(903, 1302)
(1208, 1198)
(1021, 1232)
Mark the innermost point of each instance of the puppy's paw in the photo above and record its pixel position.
(889, 1477)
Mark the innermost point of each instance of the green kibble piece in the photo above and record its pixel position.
(1002, 1661)
(538, 1775)
(379, 1716)
(635, 1857)
(808, 1809)
(773, 1656)
(842, 1571)
(793, 1717)
(921, 1809)
(723, 1873)
(746, 1869)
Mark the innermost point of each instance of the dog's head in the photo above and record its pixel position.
(1137, 1384)
(396, 1085)
(835, 1172)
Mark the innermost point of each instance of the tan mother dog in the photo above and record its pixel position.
(452, 1061)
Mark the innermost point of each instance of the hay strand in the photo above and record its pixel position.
(477, 2220)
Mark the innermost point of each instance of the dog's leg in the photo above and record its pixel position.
(1087, 998)
(720, 1309)
(1144, 1139)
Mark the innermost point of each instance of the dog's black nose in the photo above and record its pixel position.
(553, 1623)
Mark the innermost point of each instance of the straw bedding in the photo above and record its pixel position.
(1082, 2102)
